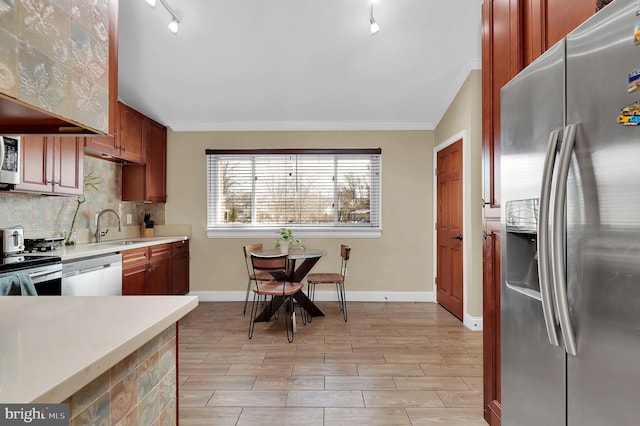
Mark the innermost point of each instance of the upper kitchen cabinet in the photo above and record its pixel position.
(132, 134)
(52, 165)
(56, 72)
(148, 182)
(130, 142)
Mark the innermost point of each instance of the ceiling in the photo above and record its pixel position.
(297, 64)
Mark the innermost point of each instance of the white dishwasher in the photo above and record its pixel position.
(93, 276)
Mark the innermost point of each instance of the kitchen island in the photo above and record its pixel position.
(108, 357)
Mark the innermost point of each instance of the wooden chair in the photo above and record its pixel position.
(273, 288)
(262, 276)
(332, 278)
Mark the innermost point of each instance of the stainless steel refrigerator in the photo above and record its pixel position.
(570, 178)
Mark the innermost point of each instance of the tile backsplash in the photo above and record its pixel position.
(45, 215)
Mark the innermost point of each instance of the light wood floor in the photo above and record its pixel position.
(390, 364)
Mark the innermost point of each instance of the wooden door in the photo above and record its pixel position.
(69, 166)
(156, 167)
(134, 280)
(37, 164)
(158, 278)
(449, 228)
(180, 267)
(132, 136)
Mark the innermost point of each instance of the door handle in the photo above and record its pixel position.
(457, 237)
(544, 268)
(558, 250)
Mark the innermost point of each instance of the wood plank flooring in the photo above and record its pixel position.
(390, 364)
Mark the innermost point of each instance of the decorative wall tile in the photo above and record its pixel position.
(148, 375)
(124, 397)
(9, 17)
(96, 414)
(117, 398)
(8, 63)
(90, 393)
(93, 16)
(44, 82)
(46, 28)
(90, 101)
(124, 367)
(52, 215)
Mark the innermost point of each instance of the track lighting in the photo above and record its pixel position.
(374, 26)
(175, 21)
(173, 26)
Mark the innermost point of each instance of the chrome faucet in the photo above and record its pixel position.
(100, 234)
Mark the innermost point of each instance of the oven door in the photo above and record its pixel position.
(47, 279)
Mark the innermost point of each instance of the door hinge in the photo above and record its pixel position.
(436, 172)
(436, 280)
(435, 226)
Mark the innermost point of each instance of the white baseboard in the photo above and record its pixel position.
(327, 296)
(472, 323)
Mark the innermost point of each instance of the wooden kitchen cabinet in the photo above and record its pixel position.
(128, 143)
(148, 182)
(159, 278)
(52, 165)
(514, 34)
(134, 271)
(132, 134)
(160, 269)
(180, 267)
(134, 280)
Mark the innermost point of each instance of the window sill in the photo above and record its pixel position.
(302, 232)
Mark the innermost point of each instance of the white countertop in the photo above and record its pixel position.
(91, 249)
(50, 347)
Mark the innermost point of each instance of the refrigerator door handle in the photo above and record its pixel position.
(558, 254)
(544, 271)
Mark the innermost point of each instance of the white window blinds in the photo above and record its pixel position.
(301, 188)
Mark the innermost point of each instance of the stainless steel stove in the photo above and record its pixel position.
(45, 271)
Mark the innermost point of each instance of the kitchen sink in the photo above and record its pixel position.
(118, 243)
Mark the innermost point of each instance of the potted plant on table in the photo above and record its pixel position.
(286, 239)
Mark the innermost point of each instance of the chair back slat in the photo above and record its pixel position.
(253, 248)
(269, 263)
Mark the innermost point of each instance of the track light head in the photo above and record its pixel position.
(374, 26)
(174, 26)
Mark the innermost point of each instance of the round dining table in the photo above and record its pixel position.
(309, 258)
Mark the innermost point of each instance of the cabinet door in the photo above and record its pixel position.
(491, 314)
(159, 274)
(106, 145)
(68, 166)
(180, 267)
(132, 136)
(37, 164)
(156, 167)
(563, 16)
(134, 280)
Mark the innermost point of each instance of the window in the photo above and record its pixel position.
(316, 192)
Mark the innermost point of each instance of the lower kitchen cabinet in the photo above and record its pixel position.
(180, 267)
(161, 269)
(133, 280)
